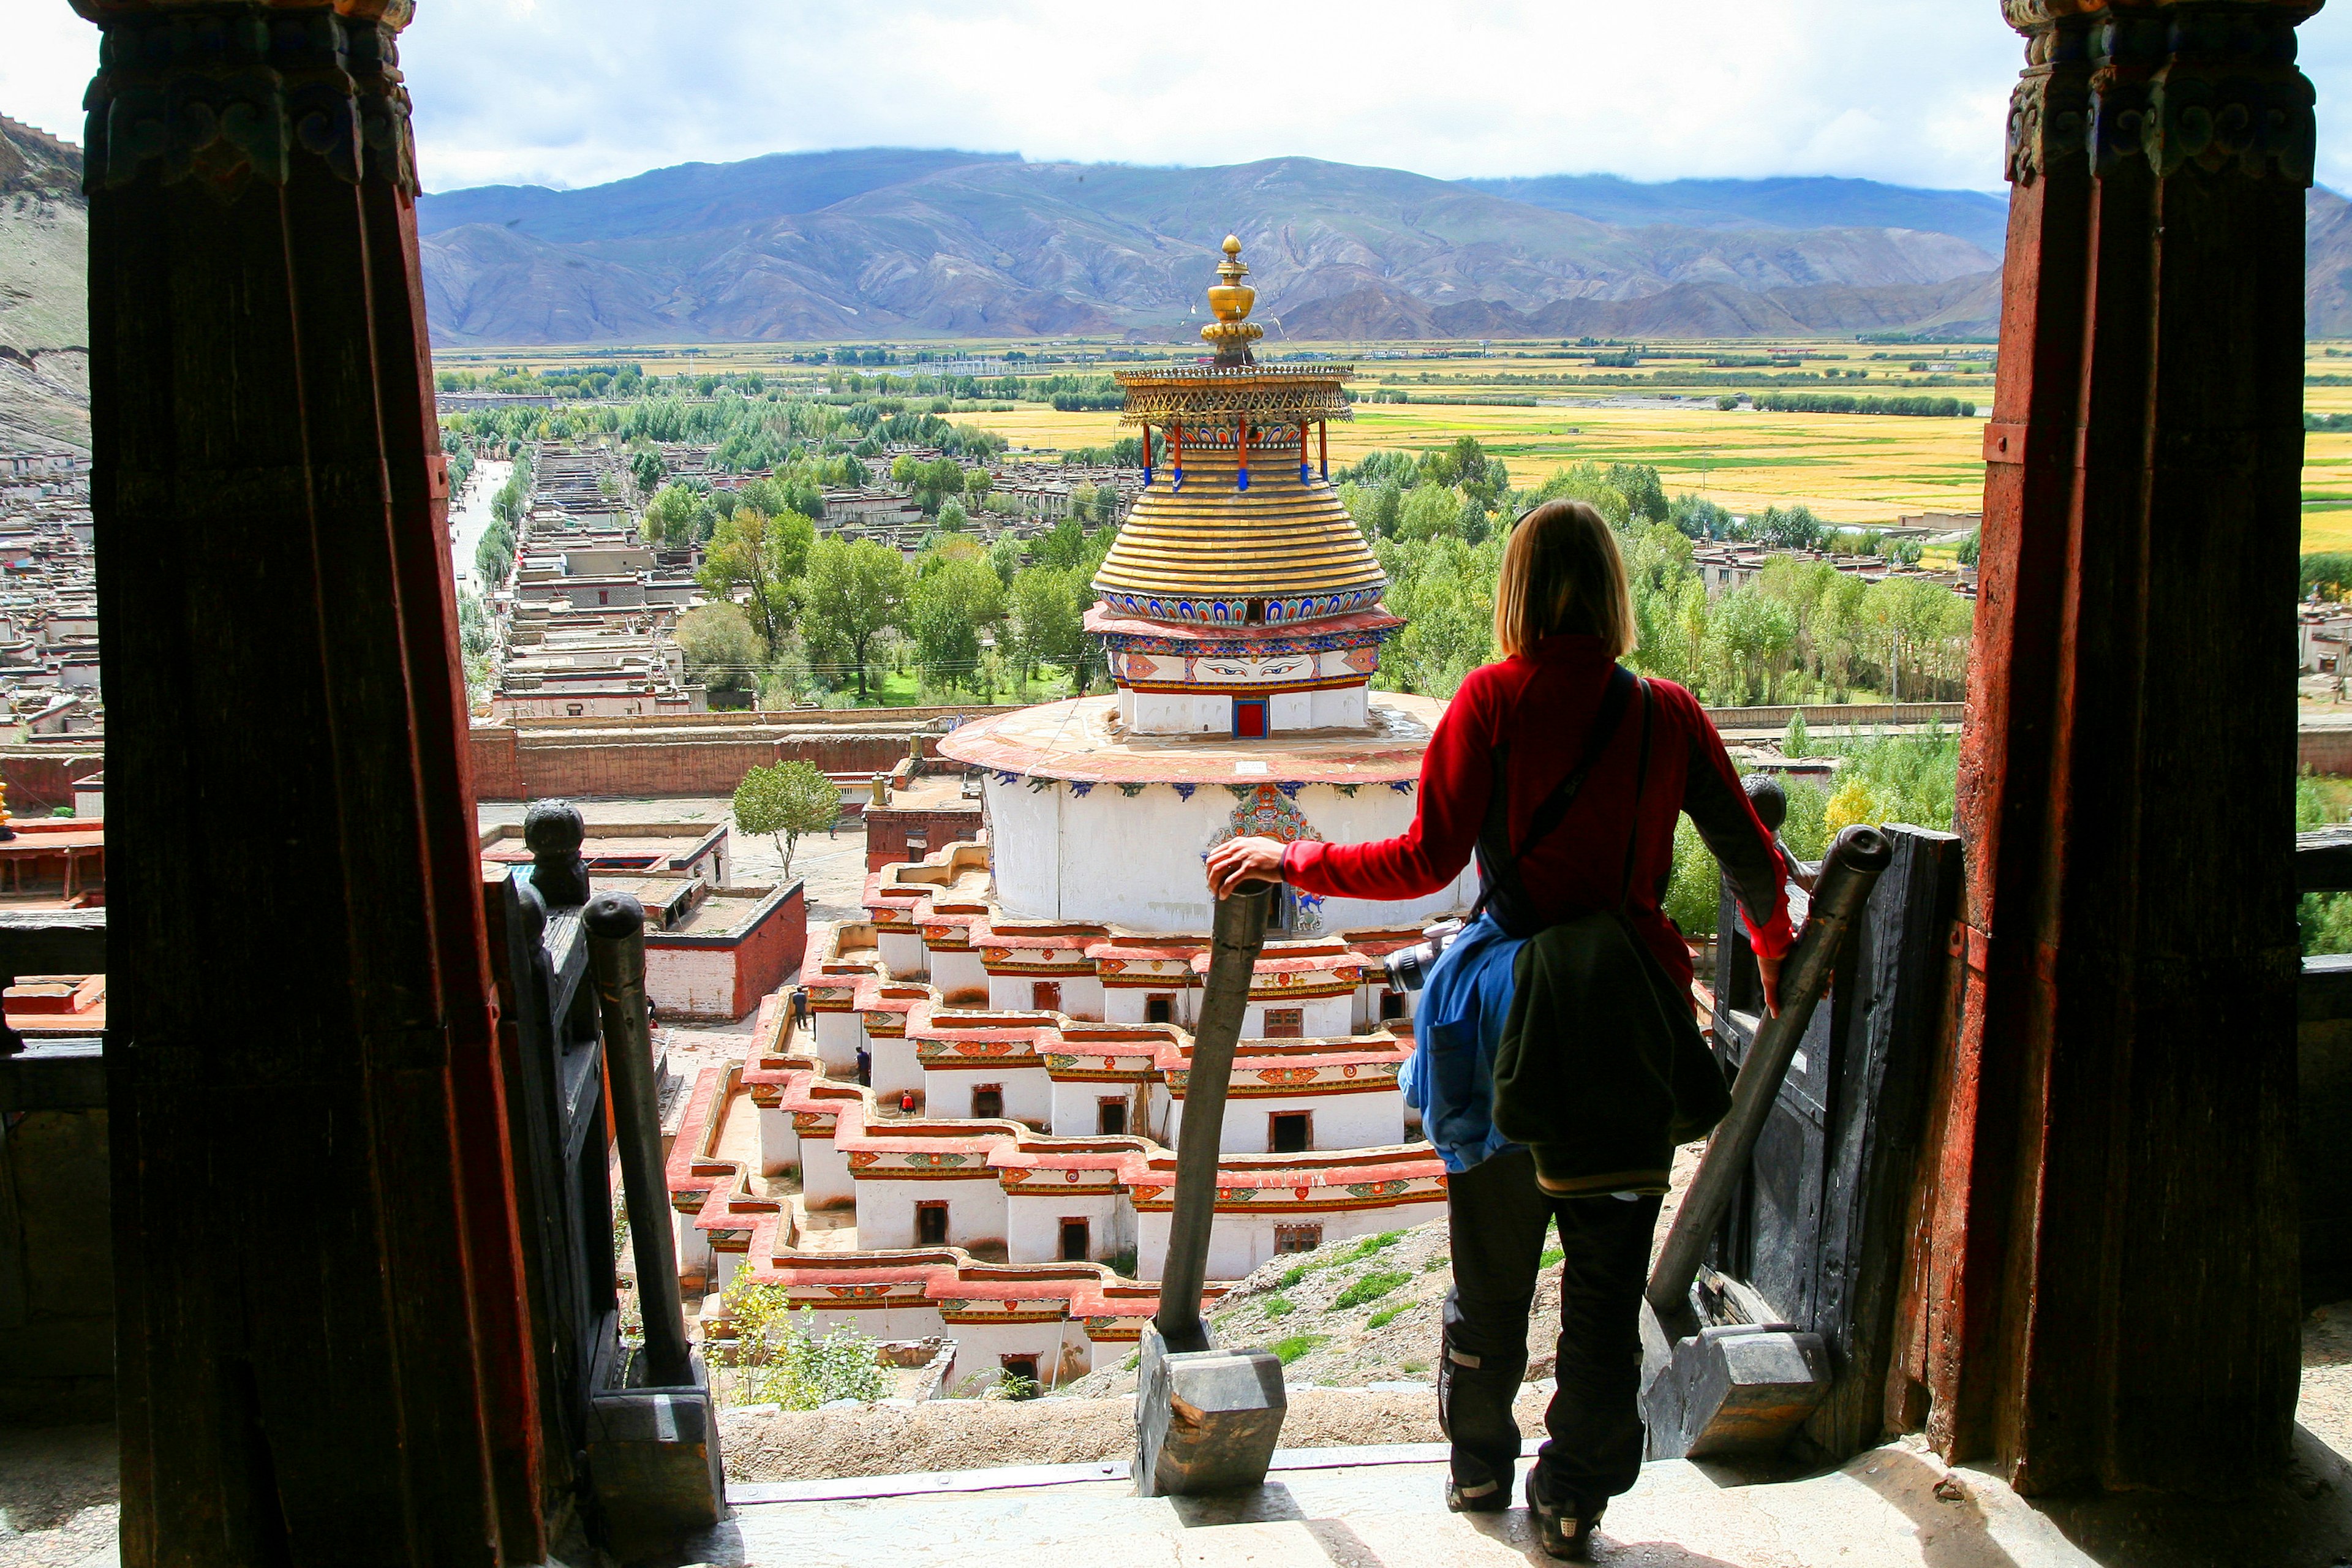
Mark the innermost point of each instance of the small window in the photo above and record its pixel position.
(1160, 1009)
(1391, 1006)
(1045, 995)
(930, 1225)
(988, 1100)
(1297, 1238)
(1290, 1132)
(1110, 1118)
(1076, 1237)
(603, 595)
(1285, 1023)
(575, 710)
(1254, 613)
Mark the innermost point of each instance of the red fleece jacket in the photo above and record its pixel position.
(1543, 706)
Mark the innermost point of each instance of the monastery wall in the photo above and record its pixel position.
(684, 754)
(1050, 847)
(41, 777)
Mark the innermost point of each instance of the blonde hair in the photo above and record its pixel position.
(1562, 573)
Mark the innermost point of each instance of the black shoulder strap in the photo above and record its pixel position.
(1499, 860)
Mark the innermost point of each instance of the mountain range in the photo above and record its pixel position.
(888, 242)
(877, 243)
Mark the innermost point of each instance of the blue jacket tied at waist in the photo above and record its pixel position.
(1451, 1077)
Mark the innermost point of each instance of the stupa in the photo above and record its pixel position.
(1241, 614)
(1023, 1004)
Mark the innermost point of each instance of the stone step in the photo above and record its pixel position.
(1384, 1507)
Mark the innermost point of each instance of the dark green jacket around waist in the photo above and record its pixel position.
(1600, 1070)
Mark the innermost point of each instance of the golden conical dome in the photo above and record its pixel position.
(1290, 545)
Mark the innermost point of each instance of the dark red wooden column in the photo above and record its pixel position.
(2108, 1295)
(322, 1341)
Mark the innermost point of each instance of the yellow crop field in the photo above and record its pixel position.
(1855, 469)
(1850, 468)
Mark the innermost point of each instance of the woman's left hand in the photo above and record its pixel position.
(1239, 860)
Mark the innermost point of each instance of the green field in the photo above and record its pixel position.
(1850, 469)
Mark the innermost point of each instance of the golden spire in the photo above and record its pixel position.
(1232, 332)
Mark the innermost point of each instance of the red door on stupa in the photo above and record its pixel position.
(1249, 720)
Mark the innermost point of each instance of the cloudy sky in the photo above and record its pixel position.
(574, 92)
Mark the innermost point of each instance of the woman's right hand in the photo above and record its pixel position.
(1239, 860)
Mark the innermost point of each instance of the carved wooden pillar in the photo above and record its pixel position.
(2108, 1296)
(321, 1337)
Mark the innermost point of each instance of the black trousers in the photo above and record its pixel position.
(1497, 1215)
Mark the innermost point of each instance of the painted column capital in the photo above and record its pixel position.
(226, 94)
(2211, 82)
(394, 14)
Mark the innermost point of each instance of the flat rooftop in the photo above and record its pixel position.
(1081, 740)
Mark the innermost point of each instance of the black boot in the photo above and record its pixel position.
(1565, 1528)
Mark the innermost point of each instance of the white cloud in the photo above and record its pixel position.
(515, 91)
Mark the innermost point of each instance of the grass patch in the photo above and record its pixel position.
(1553, 1257)
(1289, 1349)
(1279, 1306)
(1442, 1260)
(1372, 1287)
(1291, 1277)
(1134, 1359)
(1412, 1368)
(1387, 1315)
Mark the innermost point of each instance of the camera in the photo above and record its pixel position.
(1408, 968)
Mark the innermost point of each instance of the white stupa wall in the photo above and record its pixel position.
(1034, 1211)
(1239, 1243)
(1139, 861)
(1028, 1093)
(1212, 712)
(1357, 1121)
(885, 1211)
(1077, 1107)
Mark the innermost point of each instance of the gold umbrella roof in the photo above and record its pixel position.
(1282, 550)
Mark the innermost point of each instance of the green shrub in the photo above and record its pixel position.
(1279, 1306)
(1387, 1315)
(1553, 1257)
(1297, 1345)
(1370, 1288)
(786, 1362)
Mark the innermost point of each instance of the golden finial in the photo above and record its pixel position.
(1232, 332)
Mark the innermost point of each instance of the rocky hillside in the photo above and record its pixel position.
(43, 299)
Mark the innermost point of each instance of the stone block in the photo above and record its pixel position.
(1738, 1389)
(1206, 1421)
(652, 1458)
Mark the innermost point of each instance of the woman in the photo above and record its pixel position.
(1563, 616)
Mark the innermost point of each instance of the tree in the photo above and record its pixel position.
(947, 607)
(720, 646)
(1065, 547)
(1430, 510)
(849, 594)
(1787, 528)
(785, 801)
(672, 516)
(762, 555)
(1048, 621)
